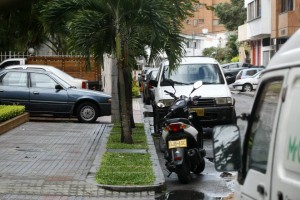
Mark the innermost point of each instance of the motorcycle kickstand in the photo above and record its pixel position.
(169, 174)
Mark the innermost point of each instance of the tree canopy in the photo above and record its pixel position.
(232, 15)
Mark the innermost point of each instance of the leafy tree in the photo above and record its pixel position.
(231, 14)
(121, 28)
(22, 27)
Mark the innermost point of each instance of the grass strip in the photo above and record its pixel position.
(125, 169)
(138, 137)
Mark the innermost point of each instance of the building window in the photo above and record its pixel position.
(216, 22)
(251, 10)
(188, 21)
(287, 5)
(258, 8)
(254, 9)
(195, 22)
(201, 21)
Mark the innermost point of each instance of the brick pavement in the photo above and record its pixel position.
(41, 160)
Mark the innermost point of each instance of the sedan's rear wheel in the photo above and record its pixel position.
(247, 87)
(87, 112)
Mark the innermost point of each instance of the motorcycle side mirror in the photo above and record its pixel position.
(197, 84)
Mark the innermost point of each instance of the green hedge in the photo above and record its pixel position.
(8, 112)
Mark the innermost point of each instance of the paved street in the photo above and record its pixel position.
(44, 160)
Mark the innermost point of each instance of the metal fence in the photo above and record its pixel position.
(13, 54)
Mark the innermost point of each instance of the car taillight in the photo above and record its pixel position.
(84, 85)
(176, 127)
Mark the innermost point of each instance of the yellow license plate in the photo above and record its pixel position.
(199, 111)
(177, 144)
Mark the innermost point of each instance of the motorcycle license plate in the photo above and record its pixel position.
(177, 144)
(199, 111)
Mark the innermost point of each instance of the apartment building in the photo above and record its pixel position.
(269, 24)
(203, 30)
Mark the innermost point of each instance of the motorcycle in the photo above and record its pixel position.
(182, 135)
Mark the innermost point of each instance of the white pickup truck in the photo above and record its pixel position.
(269, 163)
(13, 61)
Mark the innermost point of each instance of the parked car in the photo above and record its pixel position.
(246, 73)
(148, 95)
(247, 84)
(76, 82)
(43, 92)
(230, 70)
(215, 104)
(267, 160)
(142, 76)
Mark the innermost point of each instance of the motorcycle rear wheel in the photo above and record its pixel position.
(183, 172)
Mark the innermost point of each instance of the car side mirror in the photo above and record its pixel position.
(153, 83)
(58, 87)
(170, 82)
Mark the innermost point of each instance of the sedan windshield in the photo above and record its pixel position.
(190, 73)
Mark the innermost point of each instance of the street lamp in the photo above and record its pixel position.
(31, 51)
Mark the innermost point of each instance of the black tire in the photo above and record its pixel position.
(183, 172)
(247, 87)
(87, 112)
(200, 167)
(155, 122)
(147, 101)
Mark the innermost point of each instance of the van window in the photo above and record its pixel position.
(190, 73)
(262, 125)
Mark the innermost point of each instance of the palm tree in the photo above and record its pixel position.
(122, 28)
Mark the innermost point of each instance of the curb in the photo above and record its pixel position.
(159, 184)
(249, 94)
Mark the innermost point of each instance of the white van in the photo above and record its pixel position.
(215, 104)
(269, 163)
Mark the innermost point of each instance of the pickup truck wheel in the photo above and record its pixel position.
(87, 112)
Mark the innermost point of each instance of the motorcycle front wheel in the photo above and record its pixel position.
(183, 172)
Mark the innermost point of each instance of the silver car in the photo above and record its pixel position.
(78, 83)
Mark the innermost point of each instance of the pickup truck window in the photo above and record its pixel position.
(262, 125)
(9, 63)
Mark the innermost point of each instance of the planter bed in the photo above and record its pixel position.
(14, 122)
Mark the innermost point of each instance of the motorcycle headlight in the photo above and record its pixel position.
(224, 101)
(164, 103)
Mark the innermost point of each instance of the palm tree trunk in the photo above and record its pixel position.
(115, 104)
(125, 114)
(123, 92)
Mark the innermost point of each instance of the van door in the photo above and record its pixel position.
(259, 138)
(286, 173)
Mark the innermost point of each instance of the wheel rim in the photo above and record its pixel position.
(247, 88)
(87, 113)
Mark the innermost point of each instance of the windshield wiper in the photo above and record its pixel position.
(180, 83)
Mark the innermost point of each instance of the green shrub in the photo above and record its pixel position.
(135, 91)
(8, 112)
(235, 59)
